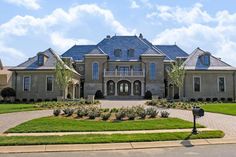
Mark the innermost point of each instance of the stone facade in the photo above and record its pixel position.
(37, 82)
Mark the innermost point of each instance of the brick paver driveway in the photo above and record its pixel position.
(9, 120)
(120, 103)
(222, 122)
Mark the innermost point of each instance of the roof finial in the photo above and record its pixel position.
(140, 36)
(1, 66)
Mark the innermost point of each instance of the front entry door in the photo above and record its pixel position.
(124, 88)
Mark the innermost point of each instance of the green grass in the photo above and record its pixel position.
(8, 108)
(114, 138)
(62, 124)
(224, 108)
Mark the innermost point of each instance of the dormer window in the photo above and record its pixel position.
(117, 52)
(205, 59)
(40, 59)
(130, 53)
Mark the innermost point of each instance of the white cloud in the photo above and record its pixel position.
(181, 15)
(45, 26)
(65, 43)
(21, 25)
(29, 4)
(8, 54)
(134, 5)
(210, 38)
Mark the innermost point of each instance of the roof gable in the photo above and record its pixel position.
(193, 62)
(50, 63)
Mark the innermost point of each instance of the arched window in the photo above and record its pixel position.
(95, 71)
(152, 71)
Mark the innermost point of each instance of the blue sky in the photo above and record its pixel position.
(30, 26)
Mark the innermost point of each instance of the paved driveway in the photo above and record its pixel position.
(222, 122)
(120, 103)
(9, 120)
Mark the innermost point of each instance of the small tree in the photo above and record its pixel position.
(63, 76)
(177, 74)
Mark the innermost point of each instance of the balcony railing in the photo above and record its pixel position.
(117, 73)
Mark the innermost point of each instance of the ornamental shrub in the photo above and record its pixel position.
(56, 112)
(105, 116)
(8, 92)
(152, 112)
(99, 94)
(148, 95)
(164, 114)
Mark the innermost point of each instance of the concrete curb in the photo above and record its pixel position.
(114, 146)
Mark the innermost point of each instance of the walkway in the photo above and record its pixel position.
(9, 120)
(103, 132)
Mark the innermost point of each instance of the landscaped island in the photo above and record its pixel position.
(63, 124)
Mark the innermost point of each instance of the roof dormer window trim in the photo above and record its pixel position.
(41, 59)
(117, 52)
(205, 59)
(130, 53)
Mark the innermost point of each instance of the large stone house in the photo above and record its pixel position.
(126, 66)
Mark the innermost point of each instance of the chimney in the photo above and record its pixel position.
(1, 66)
(140, 36)
(108, 37)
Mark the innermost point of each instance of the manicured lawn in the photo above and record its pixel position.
(224, 108)
(8, 108)
(62, 124)
(114, 138)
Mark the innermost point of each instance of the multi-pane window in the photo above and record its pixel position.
(40, 59)
(205, 59)
(152, 71)
(117, 52)
(196, 84)
(26, 83)
(95, 71)
(130, 53)
(221, 84)
(49, 83)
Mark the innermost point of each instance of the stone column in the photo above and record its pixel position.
(132, 88)
(115, 88)
(73, 91)
(105, 89)
(142, 88)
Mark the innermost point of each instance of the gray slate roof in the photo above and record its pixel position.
(193, 62)
(108, 45)
(50, 64)
(172, 51)
(77, 52)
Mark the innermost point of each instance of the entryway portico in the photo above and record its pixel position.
(124, 87)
